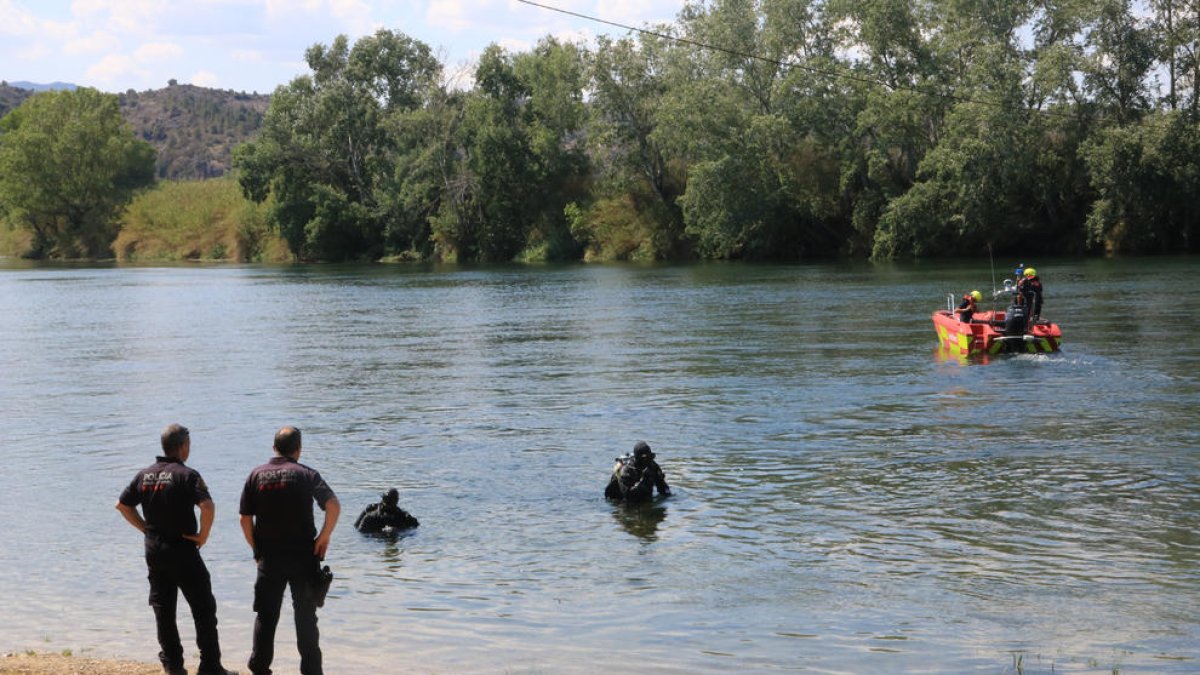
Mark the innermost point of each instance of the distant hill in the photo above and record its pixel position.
(11, 97)
(194, 129)
(53, 86)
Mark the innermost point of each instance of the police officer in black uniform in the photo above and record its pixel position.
(634, 479)
(277, 520)
(168, 491)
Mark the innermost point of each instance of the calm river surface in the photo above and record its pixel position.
(846, 501)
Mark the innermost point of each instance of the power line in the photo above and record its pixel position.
(789, 65)
(702, 45)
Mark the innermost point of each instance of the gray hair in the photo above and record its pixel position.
(173, 438)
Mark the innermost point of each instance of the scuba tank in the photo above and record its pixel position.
(619, 465)
(613, 490)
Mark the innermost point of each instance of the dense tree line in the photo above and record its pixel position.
(755, 129)
(746, 129)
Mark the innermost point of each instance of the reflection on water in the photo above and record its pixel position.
(847, 501)
(944, 354)
(640, 520)
(389, 545)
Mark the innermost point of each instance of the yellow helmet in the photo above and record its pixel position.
(977, 295)
(1030, 272)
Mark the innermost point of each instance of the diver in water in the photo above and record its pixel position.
(635, 477)
(385, 515)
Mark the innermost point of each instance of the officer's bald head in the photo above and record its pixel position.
(173, 438)
(287, 441)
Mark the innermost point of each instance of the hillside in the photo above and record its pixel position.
(194, 129)
(11, 97)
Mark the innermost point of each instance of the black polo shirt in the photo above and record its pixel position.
(280, 494)
(168, 492)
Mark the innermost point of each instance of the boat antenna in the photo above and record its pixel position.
(992, 262)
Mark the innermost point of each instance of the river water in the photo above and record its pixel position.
(846, 501)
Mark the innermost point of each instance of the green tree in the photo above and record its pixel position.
(522, 160)
(1176, 26)
(634, 213)
(422, 183)
(981, 147)
(1121, 53)
(69, 163)
(894, 124)
(972, 182)
(555, 74)
(328, 152)
(1146, 178)
(973, 188)
(497, 169)
(762, 176)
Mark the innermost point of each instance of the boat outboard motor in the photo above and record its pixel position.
(1015, 320)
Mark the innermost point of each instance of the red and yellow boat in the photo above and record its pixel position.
(991, 332)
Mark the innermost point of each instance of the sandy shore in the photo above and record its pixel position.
(57, 664)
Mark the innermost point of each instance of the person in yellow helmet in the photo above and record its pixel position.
(966, 308)
(1030, 288)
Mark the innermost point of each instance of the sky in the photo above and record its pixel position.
(257, 45)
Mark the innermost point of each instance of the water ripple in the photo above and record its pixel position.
(843, 502)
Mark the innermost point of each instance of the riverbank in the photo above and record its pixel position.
(207, 220)
(61, 664)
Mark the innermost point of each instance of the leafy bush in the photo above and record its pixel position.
(197, 220)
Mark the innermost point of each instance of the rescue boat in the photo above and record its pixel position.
(995, 332)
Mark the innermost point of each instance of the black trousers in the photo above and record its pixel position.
(275, 571)
(177, 566)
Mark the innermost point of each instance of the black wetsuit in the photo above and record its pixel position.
(632, 481)
(378, 516)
